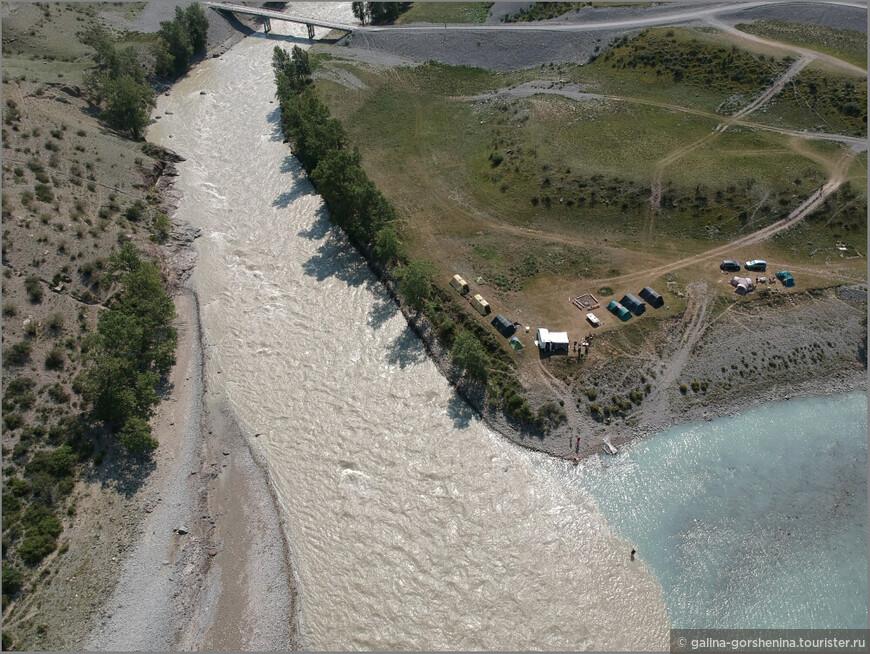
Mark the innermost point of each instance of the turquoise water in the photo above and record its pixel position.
(754, 521)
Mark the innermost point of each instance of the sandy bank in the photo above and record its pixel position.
(208, 567)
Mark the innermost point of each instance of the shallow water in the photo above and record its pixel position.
(411, 524)
(755, 521)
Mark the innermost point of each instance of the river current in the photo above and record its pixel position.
(412, 525)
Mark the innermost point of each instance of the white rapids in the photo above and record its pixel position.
(411, 524)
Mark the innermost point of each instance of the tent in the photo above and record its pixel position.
(742, 285)
(515, 343)
(631, 303)
(785, 277)
(504, 326)
(618, 310)
(654, 299)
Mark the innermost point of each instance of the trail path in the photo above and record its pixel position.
(694, 325)
(655, 200)
(808, 206)
(774, 88)
(804, 52)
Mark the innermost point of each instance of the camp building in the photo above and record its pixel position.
(634, 305)
(618, 310)
(553, 341)
(653, 299)
(505, 327)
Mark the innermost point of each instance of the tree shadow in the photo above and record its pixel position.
(119, 471)
(285, 199)
(274, 119)
(336, 257)
(406, 350)
(300, 187)
(291, 165)
(382, 311)
(459, 411)
(319, 228)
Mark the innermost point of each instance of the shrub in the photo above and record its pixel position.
(135, 211)
(34, 289)
(9, 310)
(447, 331)
(136, 436)
(549, 417)
(18, 354)
(44, 193)
(695, 386)
(55, 323)
(162, 227)
(684, 388)
(36, 547)
(13, 580)
(12, 421)
(54, 360)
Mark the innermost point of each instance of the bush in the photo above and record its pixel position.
(9, 310)
(447, 331)
(549, 417)
(136, 436)
(36, 547)
(18, 354)
(135, 211)
(12, 420)
(44, 193)
(54, 360)
(684, 388)
(34, 289)
(55, 323)
(58, 463)
(13, 580)
(162, 227)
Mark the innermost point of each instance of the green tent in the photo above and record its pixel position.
(785, 277)
(618, 310)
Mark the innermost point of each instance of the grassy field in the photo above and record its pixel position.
(544, 197)
(683, 66)
(848, 45)
(445, 12)
(822, 100)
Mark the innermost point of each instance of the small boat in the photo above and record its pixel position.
(609, 448)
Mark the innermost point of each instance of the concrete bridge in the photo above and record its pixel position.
(267, 15)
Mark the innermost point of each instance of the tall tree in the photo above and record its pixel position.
(177, 38)
(361, 11)
(469, 354)
(117, 83)
(127, 104)
(197, 26)
(415, 283)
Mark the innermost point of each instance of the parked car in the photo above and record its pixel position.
(593, 320)
(756, 265)
(729, 266)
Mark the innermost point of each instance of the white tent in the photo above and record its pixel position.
(553, 341)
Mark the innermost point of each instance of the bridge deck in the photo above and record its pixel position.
(277, 15)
